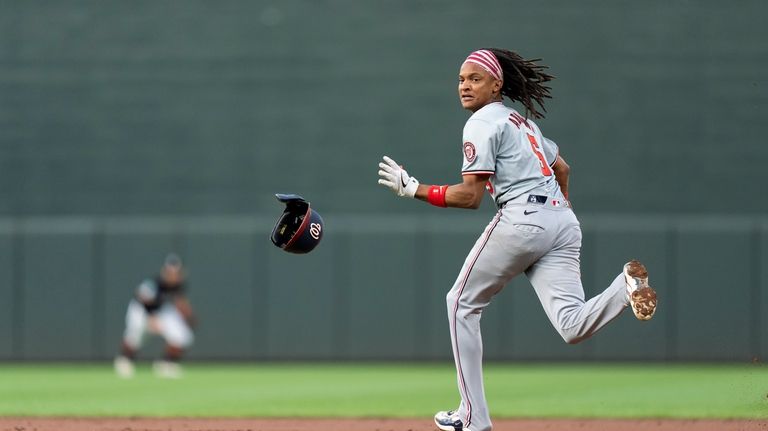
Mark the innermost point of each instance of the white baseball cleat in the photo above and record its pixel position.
(166, 369)
(449, 421)
(642, 298)
(124, 367)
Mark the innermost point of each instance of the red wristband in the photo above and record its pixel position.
(436, 196)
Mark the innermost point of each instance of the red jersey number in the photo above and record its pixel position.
(545, 170)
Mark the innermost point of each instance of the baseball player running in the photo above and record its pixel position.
(534, 232)
(158, 307)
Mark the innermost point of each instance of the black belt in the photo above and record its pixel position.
(536, 199)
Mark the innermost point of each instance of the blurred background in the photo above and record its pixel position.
(132, 129)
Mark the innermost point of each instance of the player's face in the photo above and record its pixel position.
(477, 87)
(172, 274)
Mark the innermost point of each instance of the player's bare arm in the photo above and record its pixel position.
(562, 171)
(468, 194)
(185, 308)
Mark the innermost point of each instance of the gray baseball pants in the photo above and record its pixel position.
(544, 244)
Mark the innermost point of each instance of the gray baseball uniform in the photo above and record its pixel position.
(534, 232)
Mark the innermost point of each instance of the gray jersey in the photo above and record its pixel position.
(501, 142)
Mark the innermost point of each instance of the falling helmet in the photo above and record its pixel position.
(299, 229)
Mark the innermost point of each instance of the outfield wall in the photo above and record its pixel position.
(116, 115)
(373, 289)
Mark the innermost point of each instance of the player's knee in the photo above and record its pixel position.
(572, 339)
(180, 339)
(132, 338)
(456, 306)
(572, 335)
(187, 341)
(182, 344)
(133, 343)
(450, 300)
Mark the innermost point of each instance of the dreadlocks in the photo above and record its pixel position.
(524, 81)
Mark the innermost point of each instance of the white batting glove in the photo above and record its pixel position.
(396, 178)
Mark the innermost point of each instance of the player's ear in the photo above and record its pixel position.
(497, 84)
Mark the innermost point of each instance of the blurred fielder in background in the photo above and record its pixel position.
(534, 231)
(158, 307)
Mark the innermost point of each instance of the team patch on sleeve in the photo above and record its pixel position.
(470, 154)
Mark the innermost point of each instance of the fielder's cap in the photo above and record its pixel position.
(172, 259)
(300, 228)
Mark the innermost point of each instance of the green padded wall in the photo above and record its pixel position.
(373, 289)
(128, 130)
(59, 316)
(7, 294)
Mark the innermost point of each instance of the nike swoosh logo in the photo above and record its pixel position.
(526, 212)
(401, 181)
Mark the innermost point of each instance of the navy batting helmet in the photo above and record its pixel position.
(300, 228)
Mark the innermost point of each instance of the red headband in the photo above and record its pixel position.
(487, 61)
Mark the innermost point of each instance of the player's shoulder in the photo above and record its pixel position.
(149, 282)
(491, 116)
(147, 290)
(492, 113)
(148, 285)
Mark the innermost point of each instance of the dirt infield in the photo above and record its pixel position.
(196, 424)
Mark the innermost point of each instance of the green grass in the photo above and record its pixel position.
(388, 390)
